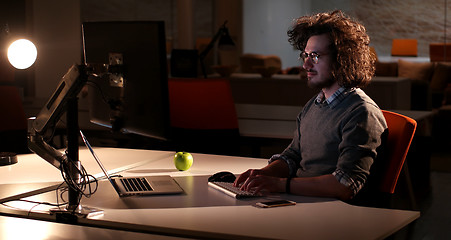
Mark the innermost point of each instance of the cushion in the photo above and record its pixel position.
(420, 71)
(441, 77)
(386, 69)
(249, 60)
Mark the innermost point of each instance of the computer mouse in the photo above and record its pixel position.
(222, 177)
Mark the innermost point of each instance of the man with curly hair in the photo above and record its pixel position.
(340, 130)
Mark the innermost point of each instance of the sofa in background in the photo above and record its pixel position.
(428, 79)
(249, 62)
(292, 90)
(427, 84)
(431, 81)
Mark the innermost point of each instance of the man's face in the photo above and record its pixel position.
(319, 74)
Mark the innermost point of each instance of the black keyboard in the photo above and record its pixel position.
(136, 184)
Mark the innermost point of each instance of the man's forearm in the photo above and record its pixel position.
(321, 186)
(278, 168)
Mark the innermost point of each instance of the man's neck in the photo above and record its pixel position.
(330, 90)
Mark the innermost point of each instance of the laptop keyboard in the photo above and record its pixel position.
(136, 184)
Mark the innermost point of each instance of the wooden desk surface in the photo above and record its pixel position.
(203, 211)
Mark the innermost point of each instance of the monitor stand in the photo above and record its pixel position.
(73, 172)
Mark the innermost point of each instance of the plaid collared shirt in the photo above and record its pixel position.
(335, 99)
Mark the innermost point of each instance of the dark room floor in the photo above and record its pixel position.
(435, 207)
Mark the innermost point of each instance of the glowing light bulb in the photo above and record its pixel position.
(22, 54)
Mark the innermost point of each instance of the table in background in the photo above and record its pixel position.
(265, 124)
(266, 129)
(291, 90)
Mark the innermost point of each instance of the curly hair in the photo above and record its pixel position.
(354, 63)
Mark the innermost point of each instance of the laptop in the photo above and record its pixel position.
(145, 185)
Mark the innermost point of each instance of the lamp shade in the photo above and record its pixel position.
(22, 53)
(225, 41)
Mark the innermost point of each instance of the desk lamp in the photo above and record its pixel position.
(225, 42)
(21, 54)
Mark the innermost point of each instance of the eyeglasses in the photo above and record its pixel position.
(313, 56)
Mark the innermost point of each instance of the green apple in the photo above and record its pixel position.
(183, 161)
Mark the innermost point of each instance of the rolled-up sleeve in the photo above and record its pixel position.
(292, 154)
(361, 136)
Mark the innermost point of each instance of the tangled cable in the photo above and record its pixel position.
(77, 179)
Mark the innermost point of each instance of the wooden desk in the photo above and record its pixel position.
(203, 211)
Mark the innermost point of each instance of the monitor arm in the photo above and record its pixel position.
(69, 87)
(65, 99)
(37, 145)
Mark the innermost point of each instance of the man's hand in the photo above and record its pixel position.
(270, 178)
(262, 183)
(244, 176)
(256, 180)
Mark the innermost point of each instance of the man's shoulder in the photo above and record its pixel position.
(361, 98)
(360, 106)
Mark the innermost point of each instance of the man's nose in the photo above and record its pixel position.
(308, 64)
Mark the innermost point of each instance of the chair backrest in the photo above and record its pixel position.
(440, 52)
(404, 47)
(400, 134)
(373, 51)
(203, 116)
(197, 103)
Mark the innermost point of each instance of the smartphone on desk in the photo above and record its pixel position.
(276, 203)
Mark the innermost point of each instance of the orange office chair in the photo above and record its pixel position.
(203, 115)
(400, 134)
(373, 51)
(386, 169)
(404, 47)
(440, 52)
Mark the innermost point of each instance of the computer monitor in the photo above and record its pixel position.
(138, 103)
